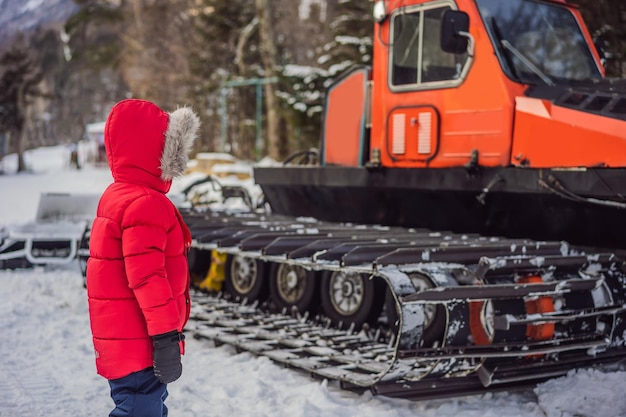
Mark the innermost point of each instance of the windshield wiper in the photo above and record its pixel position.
(526, 62)
(508, 47)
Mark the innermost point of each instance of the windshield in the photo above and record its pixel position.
(538, 42)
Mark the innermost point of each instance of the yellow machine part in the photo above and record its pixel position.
(215, 275)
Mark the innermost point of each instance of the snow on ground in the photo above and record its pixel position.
(47, 363)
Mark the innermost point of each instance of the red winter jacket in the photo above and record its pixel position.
(137, 273)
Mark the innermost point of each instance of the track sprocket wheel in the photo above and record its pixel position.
(292, 286)
(350, 297)
(246, 278)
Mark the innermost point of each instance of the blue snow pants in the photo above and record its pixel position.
(139, 394)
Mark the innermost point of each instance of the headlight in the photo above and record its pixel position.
(380, 11)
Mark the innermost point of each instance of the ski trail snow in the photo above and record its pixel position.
(26, 390)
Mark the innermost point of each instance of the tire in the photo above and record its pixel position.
(292, 286)
(348, 297)
(245, 278)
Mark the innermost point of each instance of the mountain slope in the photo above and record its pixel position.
(27, 15)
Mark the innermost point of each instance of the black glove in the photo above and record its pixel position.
(166, 357)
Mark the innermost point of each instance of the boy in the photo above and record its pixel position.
(137, 274)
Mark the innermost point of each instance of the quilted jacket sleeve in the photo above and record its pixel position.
(144, 239)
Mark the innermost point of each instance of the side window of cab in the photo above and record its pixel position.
(417, 60)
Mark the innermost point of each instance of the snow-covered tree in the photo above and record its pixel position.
(348, 43)
(20, 78)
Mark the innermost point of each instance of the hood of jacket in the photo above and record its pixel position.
(148, 146)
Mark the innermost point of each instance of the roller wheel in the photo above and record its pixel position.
(245, 278)
(349, 297)
(292, 286)
(435, 315)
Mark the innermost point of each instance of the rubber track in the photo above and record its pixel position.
(589, 321)
(359, 362)
(292, 340)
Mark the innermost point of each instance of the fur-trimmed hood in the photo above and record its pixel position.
(148, 146)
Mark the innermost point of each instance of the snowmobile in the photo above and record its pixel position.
(55, 236)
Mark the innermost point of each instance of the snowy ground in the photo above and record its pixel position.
(47, 364)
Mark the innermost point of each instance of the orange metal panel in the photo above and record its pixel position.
(344, 121)
(547, 135)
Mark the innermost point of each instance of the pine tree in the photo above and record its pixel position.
(349, 43)
(225, 47)
(92, 80)
(20, 76)
(606, 20)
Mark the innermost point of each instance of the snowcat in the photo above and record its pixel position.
(462, 229)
